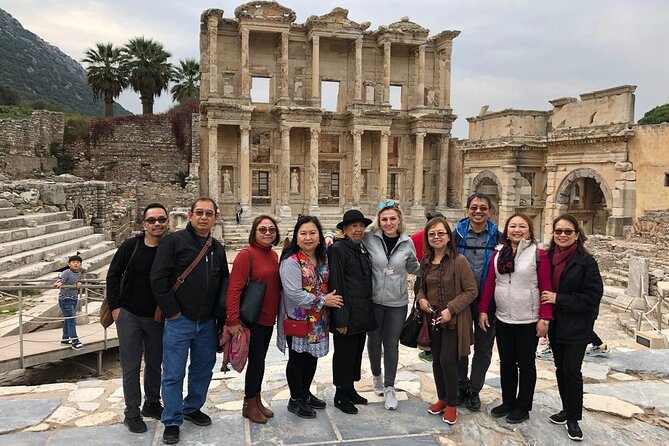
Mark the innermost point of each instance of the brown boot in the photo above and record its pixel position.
(251, 411)
(265, 410)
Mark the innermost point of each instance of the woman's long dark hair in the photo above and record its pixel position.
(580, 240)
(293, 248)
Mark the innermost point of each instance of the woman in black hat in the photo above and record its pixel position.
(351, 276)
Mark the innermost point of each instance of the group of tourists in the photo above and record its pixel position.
(474, 284)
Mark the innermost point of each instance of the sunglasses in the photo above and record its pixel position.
(263, 230)
(478, 208)
(388, 204)
(563, 231)
(153, 220)
(440, 234)
(200, 213)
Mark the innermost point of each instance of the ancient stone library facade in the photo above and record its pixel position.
(324, 115)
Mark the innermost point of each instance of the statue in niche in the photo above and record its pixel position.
(294, 182)
(227, 188)
(363, 182)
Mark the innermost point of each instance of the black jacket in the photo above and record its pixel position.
(351, 276)
(196, 296)
(577, 302)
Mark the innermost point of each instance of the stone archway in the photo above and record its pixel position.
(78, 213)
(486, 182)
(585, 194)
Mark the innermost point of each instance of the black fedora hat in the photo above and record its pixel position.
(353, 216)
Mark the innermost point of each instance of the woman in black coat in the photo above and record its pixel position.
(578, 291)
(351, 278)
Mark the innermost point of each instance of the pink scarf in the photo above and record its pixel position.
(560, 261)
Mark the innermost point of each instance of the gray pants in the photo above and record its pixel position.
(137, 335)
(483, 344)
(389, 322)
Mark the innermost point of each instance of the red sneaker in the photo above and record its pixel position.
(437, 408)
(450, 414)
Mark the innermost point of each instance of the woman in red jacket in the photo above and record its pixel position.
(261, 263)
(518, 273)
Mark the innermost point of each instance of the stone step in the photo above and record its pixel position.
(48, 253)
(10, 235)
(7, 212)
(96, 267)
(33, 220)
(40, 241)
(41, 269)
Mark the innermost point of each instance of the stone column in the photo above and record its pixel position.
(283, 186)
(417, 209)
(444, 142)
(283, 85)
(383, 165)
(313, 172)
(445, 76)
(420, 85)
(213, 168)
(358, 69)
(357, 164)
(246, 78)
(507, 193)
(315, 69)
(212, 30)
(244, 171)
(386, 72)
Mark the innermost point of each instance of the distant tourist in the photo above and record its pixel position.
(69, 284)
(578, 289)
(187, 302)
(238, 212)
(133, 307)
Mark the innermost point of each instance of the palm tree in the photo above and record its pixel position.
(106, 73)
(187, 81)
(150, 72)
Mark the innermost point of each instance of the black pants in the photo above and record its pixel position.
(255, 368)
(517, 345)
(444, 347)
(568, 359)
(483, 344)
(300, 370)
(596, 340)
(347, 359)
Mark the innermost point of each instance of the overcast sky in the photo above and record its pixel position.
(510, 54)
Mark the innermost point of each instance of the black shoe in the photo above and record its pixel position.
(314, 402)
(343, 402)
(501, 410)
(152, 410)
(559, 418)
(472, 401)
(356, 398)
(574, 431)
(198, 417)
(517, 416)
(460, 399)
(171, 435)
(301, 408)
(135, 424)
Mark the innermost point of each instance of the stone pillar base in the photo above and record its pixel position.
(452, 215)
(417, 211)
(615, 225)
(285, 212)
(315, 210)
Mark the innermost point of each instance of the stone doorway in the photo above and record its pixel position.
(588, 204)
(260, 188)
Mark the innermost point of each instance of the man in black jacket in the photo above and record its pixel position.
(133, 309)
(189, 323)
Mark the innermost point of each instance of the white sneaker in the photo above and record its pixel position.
(378, 385)
(390, 398)
(598, 350)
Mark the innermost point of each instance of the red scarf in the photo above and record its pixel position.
(560, 261)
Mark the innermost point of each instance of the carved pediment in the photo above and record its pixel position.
(265, 10)
(406, 26)
(214, 13)
(337, 19)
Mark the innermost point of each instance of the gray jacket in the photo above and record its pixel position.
(389, 272)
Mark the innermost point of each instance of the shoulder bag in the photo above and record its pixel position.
(252, 298)
(106, 318)
(411, 328)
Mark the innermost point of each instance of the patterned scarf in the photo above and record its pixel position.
(560, 261)
(506, 259)
(314, 281)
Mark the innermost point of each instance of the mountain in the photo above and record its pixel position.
(38, 70)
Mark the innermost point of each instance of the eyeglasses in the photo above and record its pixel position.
(478, 208)
(440, 234)
(264, 230)
(563, 231)
(153, 220)
(388, 204)
(200, 213)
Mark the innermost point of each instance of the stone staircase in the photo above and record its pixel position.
(37, 246)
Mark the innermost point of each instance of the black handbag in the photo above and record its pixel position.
(411, 328)
(251, 299)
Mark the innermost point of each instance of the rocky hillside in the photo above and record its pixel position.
(38, 70)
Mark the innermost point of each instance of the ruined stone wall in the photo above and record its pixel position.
(507, 123)
(650, 159)
(603, 107)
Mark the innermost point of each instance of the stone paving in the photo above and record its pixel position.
(626, 403)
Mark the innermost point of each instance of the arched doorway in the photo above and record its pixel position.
(79, 213)
(487, 183)
(585, 194)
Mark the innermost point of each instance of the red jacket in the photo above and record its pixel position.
(265, 269)
(418, 240)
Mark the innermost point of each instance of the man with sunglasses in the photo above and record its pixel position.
(185, 278)
(475, 237)
(133, 306)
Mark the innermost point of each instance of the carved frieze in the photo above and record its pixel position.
(265, 10)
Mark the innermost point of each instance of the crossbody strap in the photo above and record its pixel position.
(194, 263)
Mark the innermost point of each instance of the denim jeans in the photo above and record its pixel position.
(181, 336)
(69, 309)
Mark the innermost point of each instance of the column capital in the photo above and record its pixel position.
(385, 133)
(315, 39)
(244, 31)
(285, 131)
(357, 132)
(245, 127)
(314, 132)
(421, 135)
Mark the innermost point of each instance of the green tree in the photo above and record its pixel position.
(106, 73)
(187, 81)
(656, 115)
(150, 72)
(9, 96)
